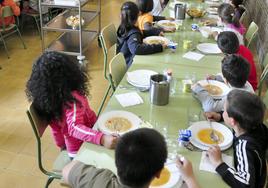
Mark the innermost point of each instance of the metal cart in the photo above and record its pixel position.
(71, 41)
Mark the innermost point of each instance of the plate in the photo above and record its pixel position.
(175, 177)
(207, 31)
(140, 78)
(167, 24)
(223, 86)
(198, 126)
(132, 118)
(208, 48)
(156, 40)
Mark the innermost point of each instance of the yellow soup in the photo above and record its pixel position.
(163, 179)
(118, 124)
(204, 136)
(213, 90)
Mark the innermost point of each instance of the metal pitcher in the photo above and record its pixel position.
(180, 10)
(159, 89)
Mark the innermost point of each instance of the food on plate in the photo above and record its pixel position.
(74, 21)
(168, 24)
(163, 179)
(118, 124)
(204, 136)
(209, 22)
(155, 41)
(195, 12)
(213, 89)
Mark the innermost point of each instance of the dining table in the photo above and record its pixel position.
(175, 115)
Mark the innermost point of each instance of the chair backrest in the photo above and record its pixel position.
(251, 33)
(39, 126)
(117, 69)
(263, 77)
(7, 11)
(243, 16)
(108, 40)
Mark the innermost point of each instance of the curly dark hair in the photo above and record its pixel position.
(54, 77)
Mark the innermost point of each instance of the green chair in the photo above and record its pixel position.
(251, 33)
(39, 126)
(263, 77)
(117, 69)
(108, 39)
(7, 30)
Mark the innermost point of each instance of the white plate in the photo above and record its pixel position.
(134, 119)
(207, 31)
(175, 177)
(140, 78)
(163, 39)
(223, 86)
(198, 126)
(208, 48)
(162, 22)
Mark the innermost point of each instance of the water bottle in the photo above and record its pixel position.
(184, 139)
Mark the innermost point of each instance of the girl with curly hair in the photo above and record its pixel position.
(57, 89)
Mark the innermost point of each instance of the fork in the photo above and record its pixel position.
(213, 135)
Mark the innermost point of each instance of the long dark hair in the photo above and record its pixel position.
(129, 16)
(54, 77)
(227, 14)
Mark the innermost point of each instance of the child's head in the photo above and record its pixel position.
(54, 76)
(244, 109)
(129, 16)
(236, 3)
(235, 70)
(145, 6)
(227, 14)
(228, 42)
(139, 157)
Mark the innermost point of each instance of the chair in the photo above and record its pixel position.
(263, 77)
(117, 70)
(39, 126)
(10, 29)
(251, 33)
(108, 39)
(35, 17)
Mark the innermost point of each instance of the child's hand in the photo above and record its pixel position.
(109, 141)
(185, 168)
(213, 116)
(211, 77)
(214, 155)
(161, 34)
(170, 18)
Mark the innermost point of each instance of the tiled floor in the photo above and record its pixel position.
(18, 166)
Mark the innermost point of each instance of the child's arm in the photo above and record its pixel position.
(244, 174)
(137, 47)
(149, 28)
(207, 101)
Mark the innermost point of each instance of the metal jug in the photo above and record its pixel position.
(159, 89)
(180, 10)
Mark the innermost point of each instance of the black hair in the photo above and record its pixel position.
(139, 155)
(145, 6)
(54, 76)
(1, 1)
(227, 14)
(236, 3)
(246, 108)
(129, 16)
(228, 42)
(235, 70)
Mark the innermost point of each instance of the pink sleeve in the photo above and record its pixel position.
(78, 128)
(57, 135)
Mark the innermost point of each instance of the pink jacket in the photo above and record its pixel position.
(75, 126)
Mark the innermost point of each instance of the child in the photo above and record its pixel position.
(57, 89)
(235, 71)
(146, 19)
(230, 21)
(244, 113)
(229, 44)
(130, 37)
(15, 8)
(239, 10)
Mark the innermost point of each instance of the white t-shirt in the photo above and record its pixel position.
(157, 10)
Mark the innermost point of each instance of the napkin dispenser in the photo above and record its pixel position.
(159, 89)
(180, 10)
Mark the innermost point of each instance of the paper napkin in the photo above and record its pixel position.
(129, 99)
(206, 165)
(193, 56)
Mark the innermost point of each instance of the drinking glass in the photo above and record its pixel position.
(193, 115)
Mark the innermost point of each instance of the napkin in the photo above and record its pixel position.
(193, 56)
(129, 99)
(206, 165)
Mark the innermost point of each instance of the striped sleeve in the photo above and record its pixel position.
(79, 128)
(244, 174)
